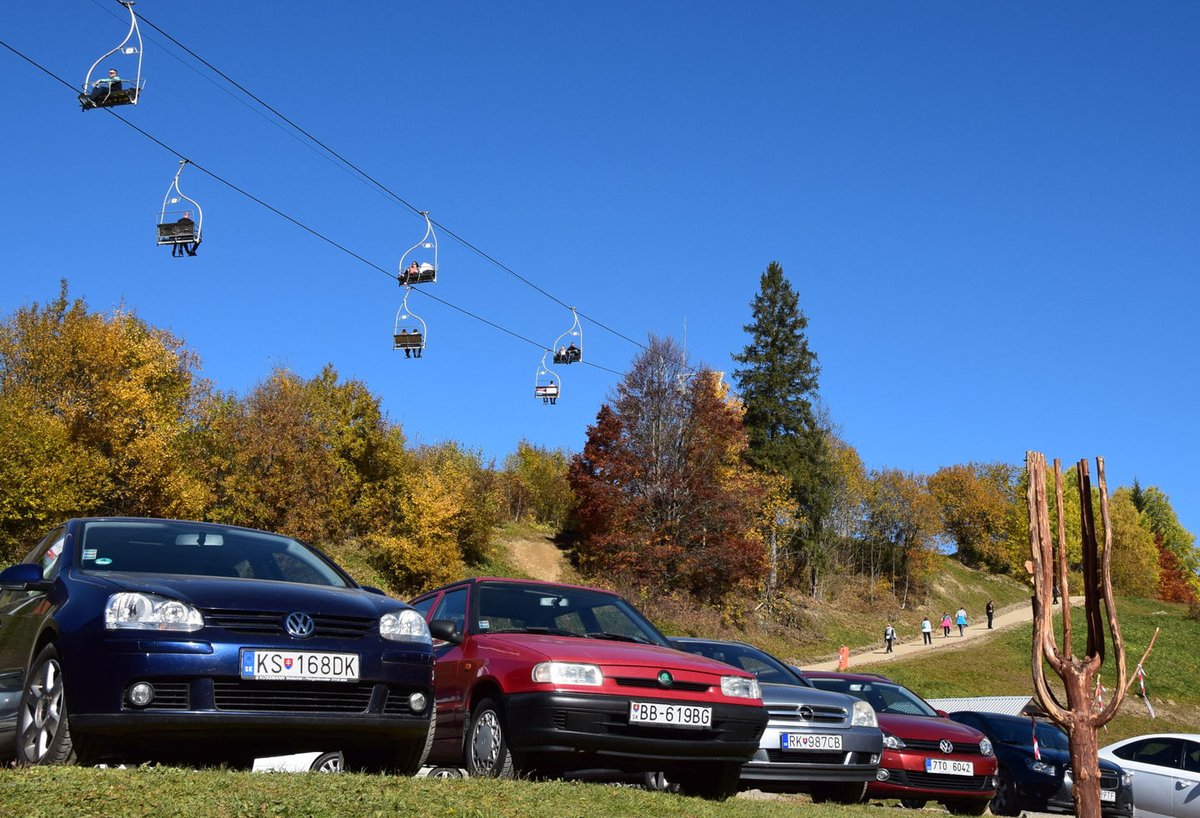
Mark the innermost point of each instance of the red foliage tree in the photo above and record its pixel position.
(1172, 584)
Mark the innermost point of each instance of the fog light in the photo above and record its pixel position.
(882, 775)
(417, 702)
(141, 694)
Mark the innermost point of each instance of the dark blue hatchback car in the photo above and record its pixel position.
(127, 640)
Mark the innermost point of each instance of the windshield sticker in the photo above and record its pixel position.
(89, 553)
(104, 561)
(484, 624)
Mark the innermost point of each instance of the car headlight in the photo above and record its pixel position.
(567, 673)
(1126, 779)
(150, 612)
(863, 715)
(1067, 775)
(1041, 767)
(985, 746)
(404, 626)
(739, 687)
(892, 742)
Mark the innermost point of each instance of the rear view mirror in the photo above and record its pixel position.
(26, 576)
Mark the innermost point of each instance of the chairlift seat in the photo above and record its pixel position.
(116, 96)
(545, 391)
(410, 340)
(426, 274)
(173, 233)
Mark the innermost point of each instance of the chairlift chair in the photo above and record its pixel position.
(176, 222)
(568, 347)
(420, 267)
(546, 385)
(123, 91)
(409, 332)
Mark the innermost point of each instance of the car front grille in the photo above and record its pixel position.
(792, 757)
(820, 715)
(961, 747)
(1109, 780)
(292, 697)
(691, 687)
(270, 623)
(934, 781)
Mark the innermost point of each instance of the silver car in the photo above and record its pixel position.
(1166, 773)
(817, 741)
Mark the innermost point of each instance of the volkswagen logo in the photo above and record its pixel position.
(299, 625)
(806, 712)
(945, 746)
(664, 678)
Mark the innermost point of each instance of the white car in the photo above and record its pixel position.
(1166, 773)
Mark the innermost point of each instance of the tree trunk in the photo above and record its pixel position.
(1082, 738)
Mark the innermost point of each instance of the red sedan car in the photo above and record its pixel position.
(926, 757)
(537, 677)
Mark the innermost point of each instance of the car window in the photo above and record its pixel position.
(200, 549)
(423, 607)
(454, 608)
(49, 552)
(764, 666)
(884, 697)
(1161, 752)
(517, 608)
(1191, 756)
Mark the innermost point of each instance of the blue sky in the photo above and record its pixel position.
(988, 209)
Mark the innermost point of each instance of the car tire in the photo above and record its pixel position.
(972, 807)
(43, 727)
(912, 803)
(487, 754)
(714, 782)
(840, 792)
(659, 782)
(333, 762)
(1005, 801)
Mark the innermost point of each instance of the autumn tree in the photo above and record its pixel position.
(1179, 567)
(975, 501)
(93, 408)
(901, 520)
(536, 484)
(779, 387)
(664, 492)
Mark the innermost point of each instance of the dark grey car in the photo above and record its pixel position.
(824, 743)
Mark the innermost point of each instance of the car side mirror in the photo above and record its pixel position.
(446, 631)
(26, 576)
(943, 714)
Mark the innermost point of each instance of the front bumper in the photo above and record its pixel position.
(777, 769)
(596, 729)
(902, 775)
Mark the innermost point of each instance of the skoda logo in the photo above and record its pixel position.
(299, 625)
(945, 746)
(806, 712)
(664, 678)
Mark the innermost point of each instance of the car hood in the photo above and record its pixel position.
(256, 595)
(798, 694)
(927, 728)
(604, 653)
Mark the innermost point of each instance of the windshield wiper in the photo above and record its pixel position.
(618, 637)
(537, 631)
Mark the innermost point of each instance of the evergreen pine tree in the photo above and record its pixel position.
(778, 386)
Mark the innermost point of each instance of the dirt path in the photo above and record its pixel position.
(1005, 618)
(537, 556)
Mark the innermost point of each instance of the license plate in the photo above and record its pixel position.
(949, 766)
(1108, 795)
(299, 666)
(804, 741)
(674, 715)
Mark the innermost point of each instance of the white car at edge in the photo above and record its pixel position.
(1166, 773)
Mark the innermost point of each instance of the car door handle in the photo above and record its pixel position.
(1181, 785)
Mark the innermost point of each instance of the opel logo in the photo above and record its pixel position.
(664, 678)
(806, 712)
(299, 625)
(945, 746)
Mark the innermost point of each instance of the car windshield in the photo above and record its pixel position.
(201, 550)
(515, 608)
(1020, 732)
(885, 697)
(763, 665)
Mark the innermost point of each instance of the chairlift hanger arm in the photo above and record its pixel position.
(134, 34)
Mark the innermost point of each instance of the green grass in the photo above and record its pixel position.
(164, 792)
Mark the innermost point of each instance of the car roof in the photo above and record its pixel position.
(1188, 736)
(854, 677)
(515, 581)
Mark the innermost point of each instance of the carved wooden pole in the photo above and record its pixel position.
(1078, 673)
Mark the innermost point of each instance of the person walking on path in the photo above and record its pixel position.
(945, 624)
(960, 619)
(927, 631)
(991, 611)
(889, 636)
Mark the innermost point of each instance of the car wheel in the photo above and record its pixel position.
(487, 753)
(973, 807)
(333, 762)
(1005, 800)
(912, 803)
(716, 782)
(839, 793)
(445, 772)
(659, 782)
(43, 729)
